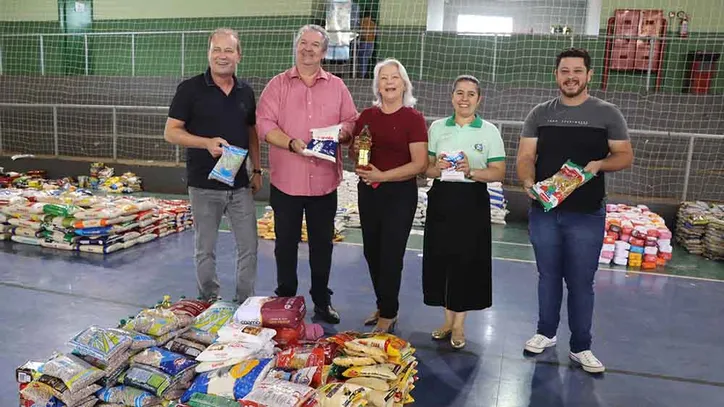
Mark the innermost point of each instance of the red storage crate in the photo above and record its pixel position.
(627, 22)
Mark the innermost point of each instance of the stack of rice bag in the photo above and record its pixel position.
(130, 365)
(79, 221)
(635, 237)
(700, 228)
(192, 353)
(498, 203)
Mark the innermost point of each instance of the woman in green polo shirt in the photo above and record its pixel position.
(457, 257)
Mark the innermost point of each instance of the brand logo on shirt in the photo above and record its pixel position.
(566, 121)
(478, 147)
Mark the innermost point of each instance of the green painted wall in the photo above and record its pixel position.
(704, 15)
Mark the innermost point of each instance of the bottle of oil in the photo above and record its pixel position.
(364, 145)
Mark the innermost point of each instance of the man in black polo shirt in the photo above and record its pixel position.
(567, 240)
(208, 111)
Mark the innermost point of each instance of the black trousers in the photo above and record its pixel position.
(386, 214)
(288, 212)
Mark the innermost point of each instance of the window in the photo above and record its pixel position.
(469, 23)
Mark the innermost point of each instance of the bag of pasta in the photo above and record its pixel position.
(554, 190)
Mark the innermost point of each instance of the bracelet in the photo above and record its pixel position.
(255, 171)
(290, 145)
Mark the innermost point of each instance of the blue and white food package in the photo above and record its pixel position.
(229, 164)
(452, 173)
(324, 143)
(498, 203)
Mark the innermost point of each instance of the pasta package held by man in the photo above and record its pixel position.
(229, 164)
(554, 190)
(324, 143)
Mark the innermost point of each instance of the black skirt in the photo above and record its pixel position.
(457, 253)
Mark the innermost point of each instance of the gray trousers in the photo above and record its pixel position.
(207, 207)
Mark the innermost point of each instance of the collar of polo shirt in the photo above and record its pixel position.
(321, 73)
(210, 81)
(476, 123)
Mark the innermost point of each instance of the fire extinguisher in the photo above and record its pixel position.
(684, 24)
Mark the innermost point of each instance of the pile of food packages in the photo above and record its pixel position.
(193, 353)
(265, 227)
(700, 228)
(80, 221)
(100, 178)
(635, 237)
(348, 210)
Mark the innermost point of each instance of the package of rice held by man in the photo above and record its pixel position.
(554, 190)
(324, 143)
(229, 164)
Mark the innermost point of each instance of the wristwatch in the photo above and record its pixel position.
(291, 141)
(255, 171)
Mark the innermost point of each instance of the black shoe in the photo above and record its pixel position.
(327, 314)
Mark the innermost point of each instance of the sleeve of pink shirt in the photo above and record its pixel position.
(347, 111)
(267, 111)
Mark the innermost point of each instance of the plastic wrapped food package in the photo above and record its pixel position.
(229, 164)
(232, 381)
(280, 393)
(128, 396)
(271, 312)
(105, 345)
(324, 143)
(166, 361)
(205, 327)
(554, 190)
(238, 332)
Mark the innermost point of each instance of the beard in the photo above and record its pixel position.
(575, 92)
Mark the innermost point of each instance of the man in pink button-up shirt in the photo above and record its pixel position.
(293, 103)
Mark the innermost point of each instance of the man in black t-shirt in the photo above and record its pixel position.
(567, 240)
(209, 111)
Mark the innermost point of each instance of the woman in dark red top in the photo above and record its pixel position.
(388, 189)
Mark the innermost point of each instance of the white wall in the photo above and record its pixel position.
(537, 15)
(28, 10)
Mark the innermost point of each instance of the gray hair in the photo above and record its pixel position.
(316, 28)
(407, 99)
(226, 31)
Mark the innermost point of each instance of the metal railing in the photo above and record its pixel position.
(162, 111)
(421, 34)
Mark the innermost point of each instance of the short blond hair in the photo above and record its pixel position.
(226, 31)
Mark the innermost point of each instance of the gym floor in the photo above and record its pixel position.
(658, 333)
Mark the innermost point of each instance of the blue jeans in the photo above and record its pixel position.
(567, 246)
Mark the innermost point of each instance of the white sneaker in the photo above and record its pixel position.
(538, 343)
(588, 362)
